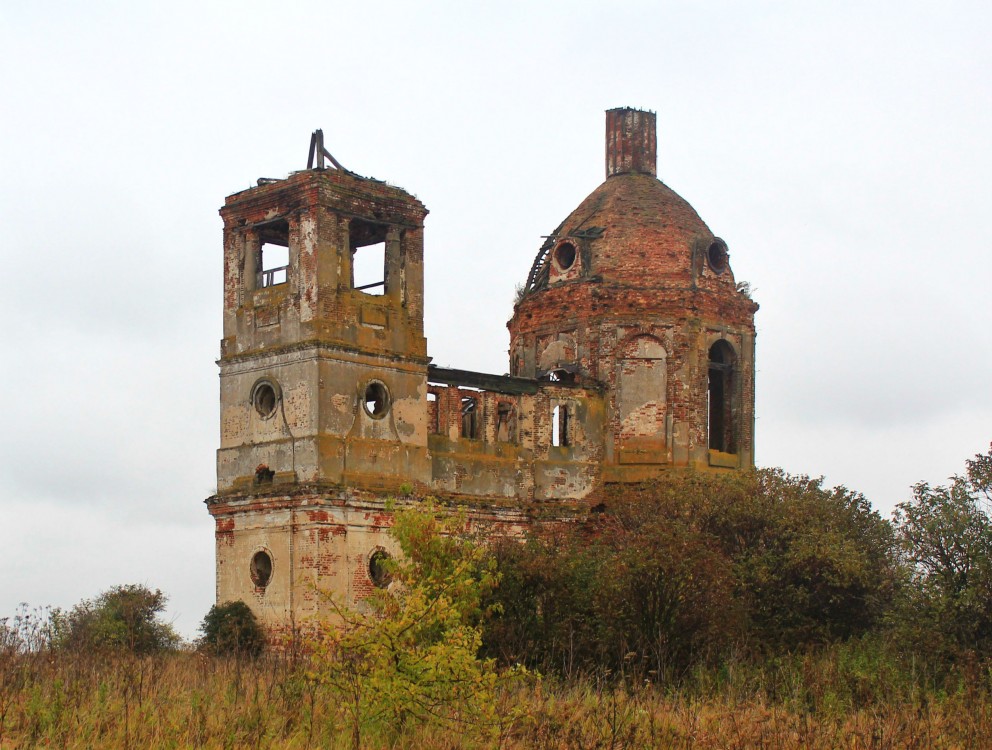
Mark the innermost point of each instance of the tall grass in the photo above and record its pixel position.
(856, 696)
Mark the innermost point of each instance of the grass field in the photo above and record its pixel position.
(65, 700)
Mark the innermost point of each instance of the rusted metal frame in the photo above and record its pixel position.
(370, 286)
(540, 262)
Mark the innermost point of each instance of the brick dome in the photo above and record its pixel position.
(633, 229)
(636, 229)
(633, 253)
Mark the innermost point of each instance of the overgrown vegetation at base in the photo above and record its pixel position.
(692, 569)
(753, 610)
(822, 701)
(409, 658)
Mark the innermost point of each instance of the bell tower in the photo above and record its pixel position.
(323, 364)
(323, 387)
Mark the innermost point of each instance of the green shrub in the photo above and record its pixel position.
(408, 656)
(231, 629)
(690, 568)
(945, 534)
(123, 617)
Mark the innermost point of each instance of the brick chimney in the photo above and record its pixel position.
(631, 142)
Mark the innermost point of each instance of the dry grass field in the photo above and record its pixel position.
(178, 700)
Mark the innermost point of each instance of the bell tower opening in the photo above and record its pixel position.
(368, 256)
(273, 254)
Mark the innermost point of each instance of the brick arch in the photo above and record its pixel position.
(642, 399)
(641, 346)
(561, 351)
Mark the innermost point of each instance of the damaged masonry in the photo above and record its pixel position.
(631, 354)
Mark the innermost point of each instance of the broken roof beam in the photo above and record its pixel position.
(318, 153)
(484, 381)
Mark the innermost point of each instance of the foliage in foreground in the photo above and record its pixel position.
(409, 656)
(691, 569)
(847, 696)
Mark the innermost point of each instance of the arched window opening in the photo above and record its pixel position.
(721, 398)
(560, 426)
(470, 418)
(506, 423)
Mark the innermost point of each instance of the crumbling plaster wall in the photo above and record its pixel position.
(321, 342)
(320, 548)
(525, 466)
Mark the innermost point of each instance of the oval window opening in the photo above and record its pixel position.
(565, 255)
(379, 568)
(261, 568)
(376, 400)
(264, 399)
(716, 255)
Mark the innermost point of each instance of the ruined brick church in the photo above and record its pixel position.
(631, 354)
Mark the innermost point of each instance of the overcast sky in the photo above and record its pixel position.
(842, 149)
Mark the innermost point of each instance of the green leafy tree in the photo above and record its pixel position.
(409, 655)
(629, 593)
(123, 617)
(813, 564)
(231, 629)
(681, 571)
(945, 534)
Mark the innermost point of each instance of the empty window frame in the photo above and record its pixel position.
(368, 256)
(272, 263)
(470, 417)
(720, 399)
(433, 413)
(379, 568)
(560, 426)
(506, 422)
(375, 400)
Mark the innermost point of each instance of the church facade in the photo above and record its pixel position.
(631, 354)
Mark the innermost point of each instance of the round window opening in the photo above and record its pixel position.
(565, 255)
(261, 568)
(716, 255)
(264, 399)
(376, 400)
(379, 568)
